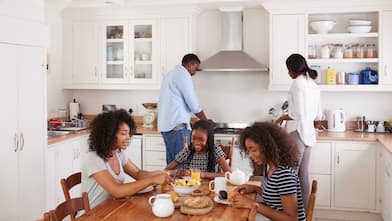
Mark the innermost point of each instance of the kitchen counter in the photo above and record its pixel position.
(384, 138)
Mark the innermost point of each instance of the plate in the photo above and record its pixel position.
(146, 190)
(217, 200)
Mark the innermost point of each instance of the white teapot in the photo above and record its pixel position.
(162, 206)
(237, 177)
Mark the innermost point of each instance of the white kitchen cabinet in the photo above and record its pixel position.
(320, 169)
(355, 175)
(175, 42)
(154, 152)
(85, 52)
(386, 49)
(22, 132)
(63, 159)
(287, 36)
(134, 152)
(387, 186)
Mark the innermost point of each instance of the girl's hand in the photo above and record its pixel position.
(240, 201)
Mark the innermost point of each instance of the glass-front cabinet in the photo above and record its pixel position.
(115, 70)
(130, 52)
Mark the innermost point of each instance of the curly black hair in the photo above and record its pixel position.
(277, 145)
(103, 131)
(207, 127)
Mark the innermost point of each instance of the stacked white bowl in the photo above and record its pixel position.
(359, 26)
(322, 27)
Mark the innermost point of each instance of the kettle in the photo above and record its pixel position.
(369, 76)
(237, 177)
(336, 120)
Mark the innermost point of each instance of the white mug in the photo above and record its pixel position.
(219, 184)
(371, 127)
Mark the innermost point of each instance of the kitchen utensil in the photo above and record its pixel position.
(359, 29)
(369, 76)
(322, 27)
(336, 120)
(353, 78)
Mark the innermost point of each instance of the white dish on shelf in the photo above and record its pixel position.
(360, 29)
(359, 22)
(322, 27)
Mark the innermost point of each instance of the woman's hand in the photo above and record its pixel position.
(246, 188)
(162, 178)
(240, 201)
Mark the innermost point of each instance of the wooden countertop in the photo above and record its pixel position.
(384, 138)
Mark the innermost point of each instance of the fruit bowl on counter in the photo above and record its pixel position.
(185, 186)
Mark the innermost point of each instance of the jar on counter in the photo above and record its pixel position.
(348, 51)
(371, 51)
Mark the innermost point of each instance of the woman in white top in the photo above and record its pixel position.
(104, 166)
(303, 111)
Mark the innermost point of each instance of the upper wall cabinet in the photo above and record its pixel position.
(123, 54)
(354, 42)
(386, 49)
(287, 36)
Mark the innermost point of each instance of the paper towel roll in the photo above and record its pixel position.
(73, 110)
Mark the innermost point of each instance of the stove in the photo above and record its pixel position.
(229, 128)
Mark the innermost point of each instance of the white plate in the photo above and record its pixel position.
(226, 202)
(146, 190)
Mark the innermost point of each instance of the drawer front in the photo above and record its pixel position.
(154, 143)
(320, 158)
(155, 158)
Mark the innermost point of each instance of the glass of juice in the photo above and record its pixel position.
(195, 174)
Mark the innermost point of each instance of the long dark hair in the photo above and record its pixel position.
(277, 145)
(209, 130)
(297, 64)
(103, 131)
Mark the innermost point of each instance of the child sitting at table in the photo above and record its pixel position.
(202, 154)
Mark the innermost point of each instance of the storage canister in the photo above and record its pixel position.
(325, 52)
(353, 78)
(331, 76)
(341, 79)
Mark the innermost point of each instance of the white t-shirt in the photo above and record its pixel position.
(92, 163)
(304, 108)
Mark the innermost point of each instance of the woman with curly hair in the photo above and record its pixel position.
(106, 164)
(267, 143)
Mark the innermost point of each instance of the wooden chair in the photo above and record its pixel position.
(68, 183)
(312, 201)
(228, 150)
(68, 208)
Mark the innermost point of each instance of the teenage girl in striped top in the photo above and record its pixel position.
(267, 143)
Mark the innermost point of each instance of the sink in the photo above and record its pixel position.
(56, 133)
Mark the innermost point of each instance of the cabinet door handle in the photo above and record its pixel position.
(16, 142)
(95, 71)
(385, 70)
(21, 141)
(163, 71)
(338, 158)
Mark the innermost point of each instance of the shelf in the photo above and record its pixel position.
(341, 61)
(114, 62)
(114, 40)
(143, 39)
(345, 87)
(143, 62)
(344, 35)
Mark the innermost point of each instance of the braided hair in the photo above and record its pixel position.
(209, 130)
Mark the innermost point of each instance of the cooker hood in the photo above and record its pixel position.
(231, 57)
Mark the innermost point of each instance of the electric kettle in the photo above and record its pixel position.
(336, 120)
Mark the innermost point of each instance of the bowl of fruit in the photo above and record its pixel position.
(185, 186)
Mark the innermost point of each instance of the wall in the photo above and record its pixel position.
(238, 97)
(57, 97)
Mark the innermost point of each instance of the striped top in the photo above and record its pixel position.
(283, 181)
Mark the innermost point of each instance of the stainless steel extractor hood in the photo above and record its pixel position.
(231, 57)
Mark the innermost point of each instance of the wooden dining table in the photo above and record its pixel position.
(136, 207)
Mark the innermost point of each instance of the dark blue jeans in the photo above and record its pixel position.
(174, 141)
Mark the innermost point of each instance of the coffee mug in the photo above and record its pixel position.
(219, 184)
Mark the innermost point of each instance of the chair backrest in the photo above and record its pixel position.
(185, 142)
(68, 208)
(312, 201)
(68, 183)
(228, 150)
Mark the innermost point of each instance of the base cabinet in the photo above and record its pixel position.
(154, 152)
(347, 175)
(387, 186)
